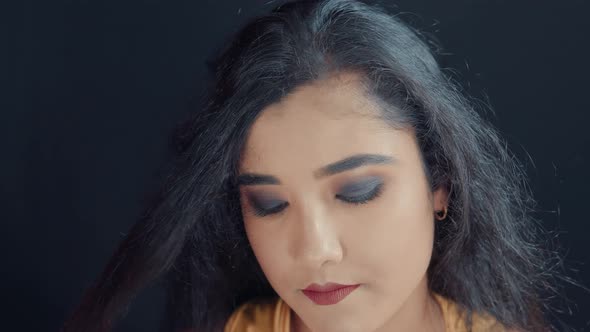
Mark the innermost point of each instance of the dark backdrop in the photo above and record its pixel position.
(100, 84)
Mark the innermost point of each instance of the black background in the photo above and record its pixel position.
(100, 84)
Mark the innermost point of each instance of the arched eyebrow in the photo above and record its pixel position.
(346, 164)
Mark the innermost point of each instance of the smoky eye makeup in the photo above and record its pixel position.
(263, 205)
(361, 191)
(356, 192)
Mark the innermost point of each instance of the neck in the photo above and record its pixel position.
(420, 312)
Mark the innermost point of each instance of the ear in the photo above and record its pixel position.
(440, 198)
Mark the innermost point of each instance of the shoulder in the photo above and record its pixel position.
(456, 318)
(259, 315)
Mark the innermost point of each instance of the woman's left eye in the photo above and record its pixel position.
(360, 194)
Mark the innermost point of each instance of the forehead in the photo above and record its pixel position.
(336, 96)
(315, 125)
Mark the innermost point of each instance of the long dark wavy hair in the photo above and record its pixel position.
(489, 255)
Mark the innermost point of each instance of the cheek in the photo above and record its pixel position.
(397, 239)
(267, 246)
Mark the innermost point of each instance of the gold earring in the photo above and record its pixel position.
(443, 216)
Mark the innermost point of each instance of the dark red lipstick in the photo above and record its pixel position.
(330, 293)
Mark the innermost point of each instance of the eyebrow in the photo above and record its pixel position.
(346, 164)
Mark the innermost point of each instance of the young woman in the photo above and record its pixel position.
(335, 180)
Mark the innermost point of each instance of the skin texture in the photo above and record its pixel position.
(385, 244)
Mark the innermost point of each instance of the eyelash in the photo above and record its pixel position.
(361, 199)
(365, 198)
(262, 212)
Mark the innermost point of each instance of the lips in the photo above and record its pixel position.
(330, 293)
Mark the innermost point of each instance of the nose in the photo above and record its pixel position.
(316, 239)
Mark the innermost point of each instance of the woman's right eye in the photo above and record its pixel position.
(264, 211)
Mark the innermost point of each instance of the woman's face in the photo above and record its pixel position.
(304, 221)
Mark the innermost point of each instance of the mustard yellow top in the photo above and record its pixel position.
(274, 315)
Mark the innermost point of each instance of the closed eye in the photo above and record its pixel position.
(362, 197)
(360, 192)
(264, 211)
